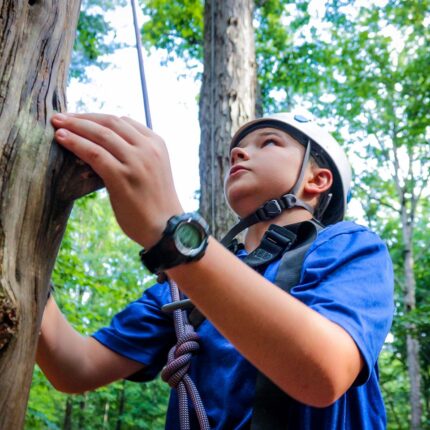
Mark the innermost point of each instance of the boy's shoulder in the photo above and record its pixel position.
(348, 233)
(343, 227)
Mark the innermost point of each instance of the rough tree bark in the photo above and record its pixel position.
(38, 181)
(227, 99)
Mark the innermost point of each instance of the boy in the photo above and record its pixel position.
(318, 343)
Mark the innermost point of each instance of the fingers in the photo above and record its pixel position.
(130, 130)
(92, 131)
(137, 125)
(108, 142)
(97, 157)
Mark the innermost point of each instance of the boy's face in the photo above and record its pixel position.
(265, 165)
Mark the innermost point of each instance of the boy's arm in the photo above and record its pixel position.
(74, 363)
(311, 358)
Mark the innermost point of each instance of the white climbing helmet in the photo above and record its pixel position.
(324, 148)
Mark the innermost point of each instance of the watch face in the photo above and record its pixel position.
(188, 238)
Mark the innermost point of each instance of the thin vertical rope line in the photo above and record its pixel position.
(141, 67)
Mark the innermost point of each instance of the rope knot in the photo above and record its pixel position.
(178, 363)
(179, 358)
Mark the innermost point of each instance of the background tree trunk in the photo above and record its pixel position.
(67, 424)
(106, 415)
(82, 407)
(38, 181)
(227, 99)
(121, 406)
(407, 216)
(412, 343)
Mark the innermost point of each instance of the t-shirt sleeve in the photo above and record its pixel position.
(348, 278)
(142, 332)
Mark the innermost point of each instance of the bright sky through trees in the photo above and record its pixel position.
(173, 96)
(116, 90)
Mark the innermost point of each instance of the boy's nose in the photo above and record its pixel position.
(238, 154)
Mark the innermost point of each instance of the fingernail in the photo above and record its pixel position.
(60, 134)
(60, 117)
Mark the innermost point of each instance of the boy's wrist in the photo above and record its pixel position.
(183, 240)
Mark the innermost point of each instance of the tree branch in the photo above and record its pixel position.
(78, 180)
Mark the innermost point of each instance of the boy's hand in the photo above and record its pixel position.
(134, 164)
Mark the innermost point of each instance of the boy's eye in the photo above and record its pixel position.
(268, 142)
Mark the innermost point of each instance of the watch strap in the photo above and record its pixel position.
(156, 259)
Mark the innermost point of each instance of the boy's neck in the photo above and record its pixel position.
(255, 233)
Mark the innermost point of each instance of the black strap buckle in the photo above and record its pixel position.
(289, 200)
(274, 243)
(281, 236)
(269, 210)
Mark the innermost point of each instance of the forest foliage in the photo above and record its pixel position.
(97, 274)
(363, 65)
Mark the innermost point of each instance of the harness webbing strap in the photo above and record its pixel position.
(275, 242)
(271, 403)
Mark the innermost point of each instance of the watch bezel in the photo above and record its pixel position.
(190, 252)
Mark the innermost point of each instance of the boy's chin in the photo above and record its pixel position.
(242, 211)
(239, 211)
(244, 202)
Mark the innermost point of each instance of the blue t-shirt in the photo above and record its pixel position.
(346, 276)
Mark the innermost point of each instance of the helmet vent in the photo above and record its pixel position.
(301, 118)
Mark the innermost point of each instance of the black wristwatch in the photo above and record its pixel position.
(184, 239)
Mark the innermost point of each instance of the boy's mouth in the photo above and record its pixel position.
(236, 169)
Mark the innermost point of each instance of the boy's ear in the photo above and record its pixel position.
(318, 181)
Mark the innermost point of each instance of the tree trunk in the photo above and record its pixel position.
(121, 406)
(106, 415)
(227, 99)
(412, 343)
(67, 424)
(407, 199)
(82, 406)
(38, 181)
(413, 348)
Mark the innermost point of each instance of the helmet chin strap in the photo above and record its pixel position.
(272, 208)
